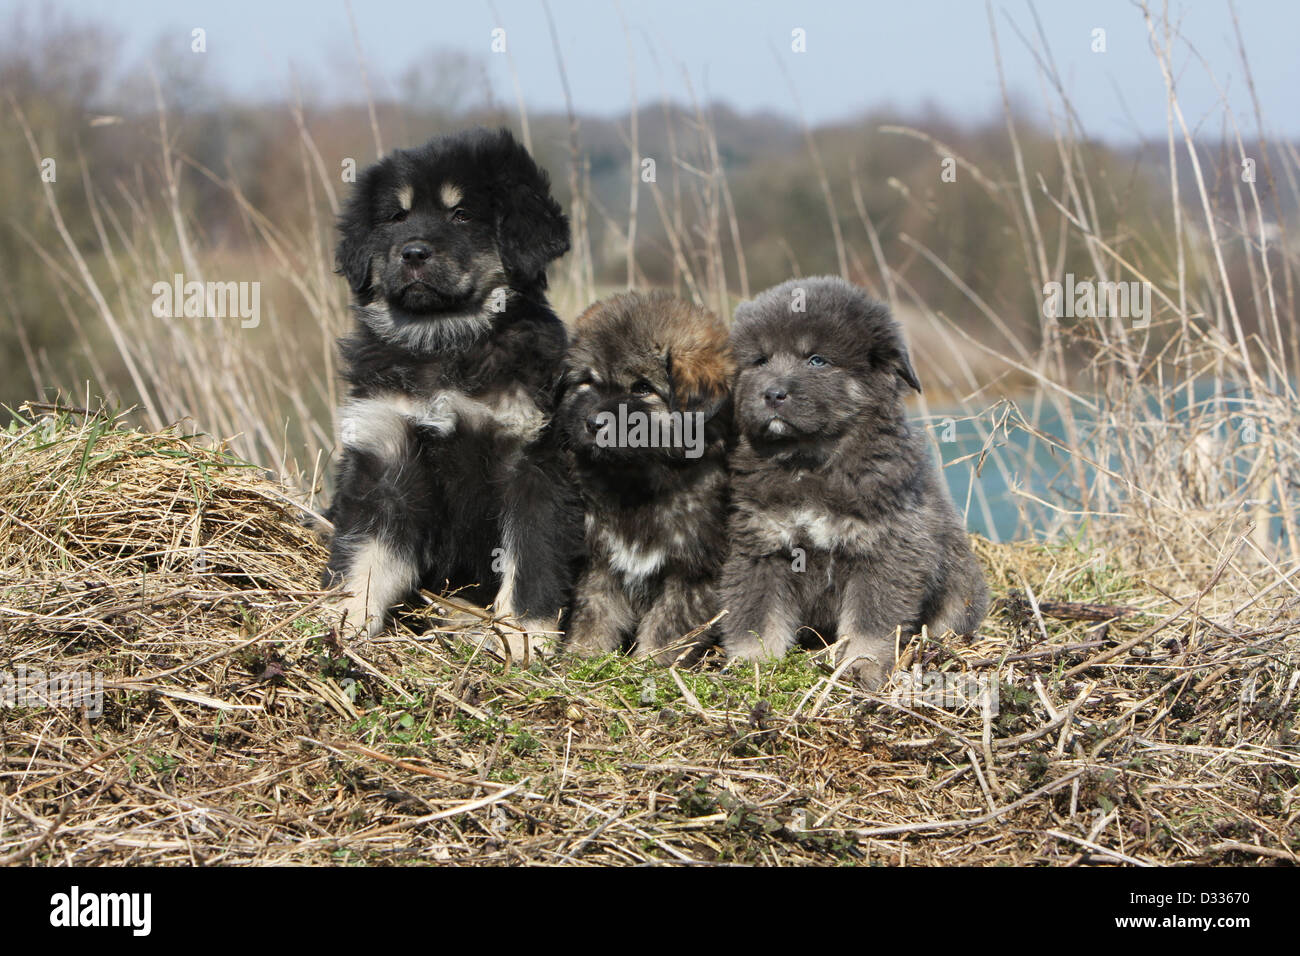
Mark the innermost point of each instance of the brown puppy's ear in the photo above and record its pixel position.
(699, 381)
(905, 370)
(564, 379)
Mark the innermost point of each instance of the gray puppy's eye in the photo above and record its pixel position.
(816, 361)
(641, 388)
(761, 360)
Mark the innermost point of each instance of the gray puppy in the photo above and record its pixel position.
(842, 527)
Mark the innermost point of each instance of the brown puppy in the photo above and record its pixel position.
(842, 526)
(645, 413)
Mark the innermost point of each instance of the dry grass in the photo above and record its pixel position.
(237, 730)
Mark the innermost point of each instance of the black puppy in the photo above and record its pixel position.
(450, 471)
(842, 525)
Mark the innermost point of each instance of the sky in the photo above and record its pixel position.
(858, 55)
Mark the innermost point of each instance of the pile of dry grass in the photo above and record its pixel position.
(236, 729)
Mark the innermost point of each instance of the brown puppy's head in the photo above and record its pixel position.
(647, 376)
(816, 358)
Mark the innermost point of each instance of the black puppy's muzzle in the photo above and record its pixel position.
(416, 254)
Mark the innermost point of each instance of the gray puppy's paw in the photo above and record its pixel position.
(870, 675)
(872, 660)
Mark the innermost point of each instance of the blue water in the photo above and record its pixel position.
(1038, 469)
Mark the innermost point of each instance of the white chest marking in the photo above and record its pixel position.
(380, 424)
(630, 559)
(826, 531)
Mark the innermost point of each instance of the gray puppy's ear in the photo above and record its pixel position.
(904, 368)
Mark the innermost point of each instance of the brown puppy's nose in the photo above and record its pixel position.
(775, 396)
(416, 253)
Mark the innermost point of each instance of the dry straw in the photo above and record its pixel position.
(1144, 727)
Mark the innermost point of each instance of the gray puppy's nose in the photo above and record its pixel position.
(416, 253)
(775, 396)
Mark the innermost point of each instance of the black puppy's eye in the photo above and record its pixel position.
(399, 216)
(641, 388)
(460, 215)
(761, 360)
(816, 361)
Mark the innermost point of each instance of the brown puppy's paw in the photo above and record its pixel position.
(666, 655)
(749, 646)
(587, 638)
(585, 649)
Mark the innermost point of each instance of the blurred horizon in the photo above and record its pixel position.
(858, 59)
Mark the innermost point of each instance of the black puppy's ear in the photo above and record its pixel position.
(905, 370)
(354, 253)
(352, 261)
(531, 231)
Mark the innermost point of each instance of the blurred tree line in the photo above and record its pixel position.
(98, 120)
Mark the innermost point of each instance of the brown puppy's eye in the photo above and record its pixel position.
(761, 360)
(641, 388)
(816, 361)
(460, 215)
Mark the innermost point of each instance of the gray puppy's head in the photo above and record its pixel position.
(815, 359)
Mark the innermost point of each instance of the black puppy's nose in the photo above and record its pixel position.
(593, 425)
(416, 253)
(775, 396)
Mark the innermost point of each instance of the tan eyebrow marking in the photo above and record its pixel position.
(451, 195)
(405, 197)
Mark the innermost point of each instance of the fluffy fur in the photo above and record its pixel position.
(450, 472)
(842, 526)
(655, 516)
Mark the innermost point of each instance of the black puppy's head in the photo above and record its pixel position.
(816, 358)
(647, 378)
(437, 231)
